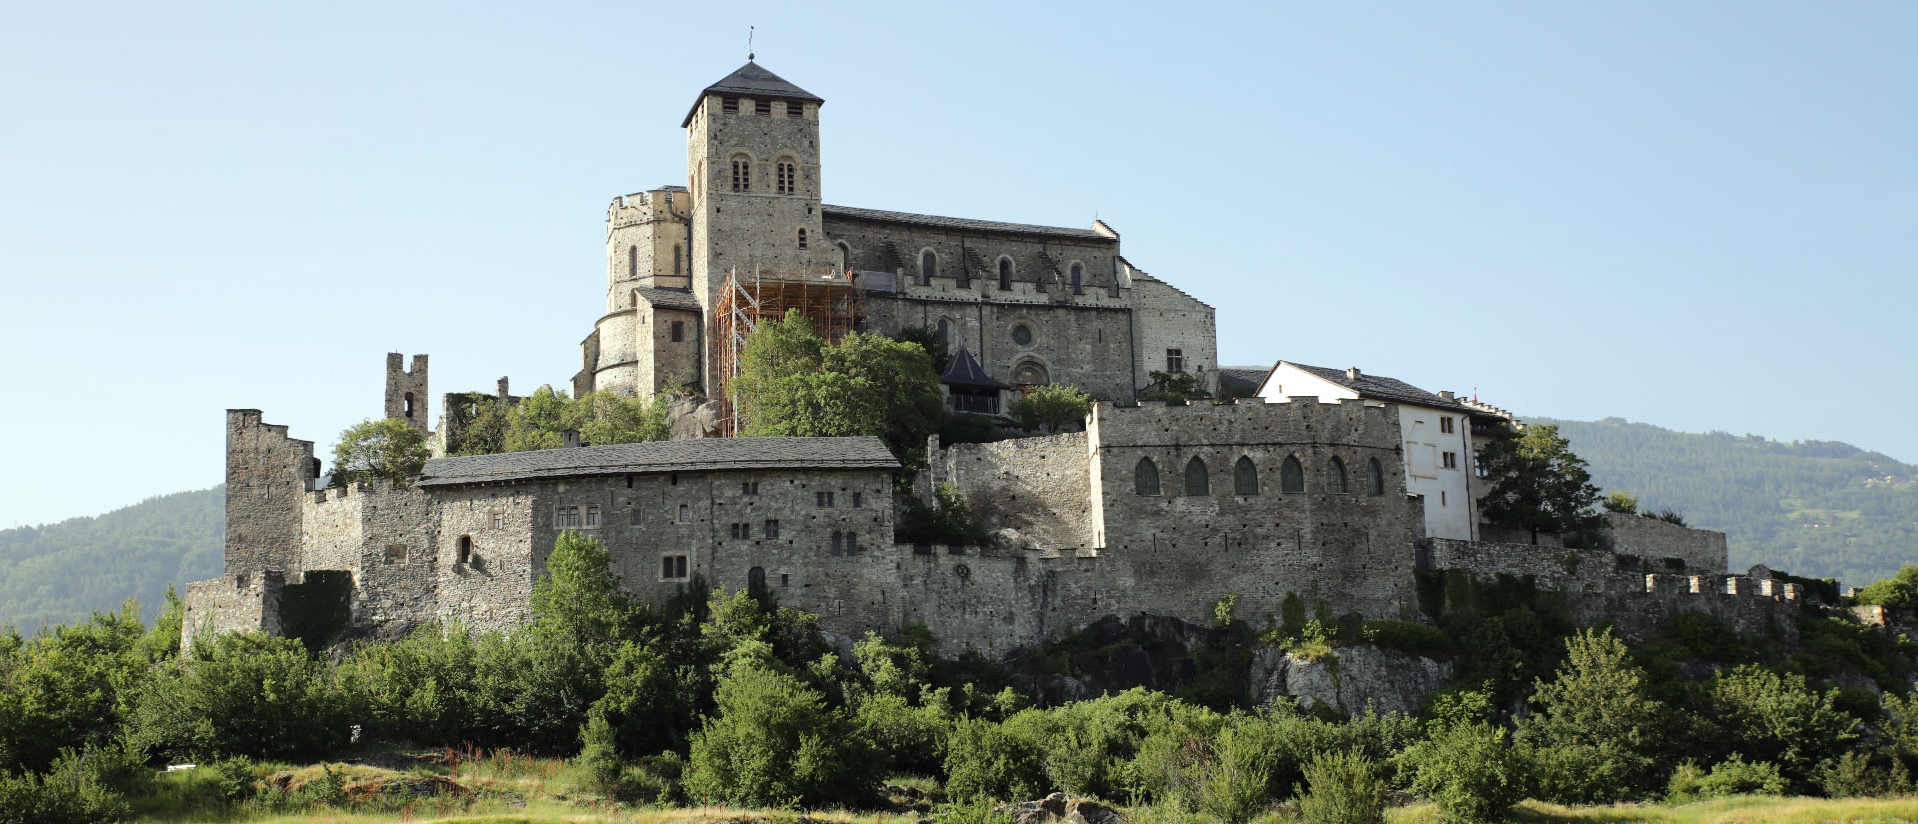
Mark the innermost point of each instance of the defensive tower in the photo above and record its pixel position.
(406, 390)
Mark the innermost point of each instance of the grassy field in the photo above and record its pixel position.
(476, 787)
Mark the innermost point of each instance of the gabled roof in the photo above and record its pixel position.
(701, 454)
(966, 371)
(1375, 387)
(752, 81)
(959, 223)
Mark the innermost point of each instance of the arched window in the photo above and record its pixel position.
(1078, 279)
(1291, 475)
(1335, 476)
(1145, 477)
(928, 264)
(1005, 274)
(756, 581)
(466, 549)
(742, 173)
(845, 257)
(676, 269)
(1197, 482)
(632, 261)
(802, 238)
(788, 177)
(1374, 477)
(945, 333)
(409, 404)
(1245, 477)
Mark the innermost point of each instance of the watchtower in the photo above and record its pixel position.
(406, 390)
(752, 156)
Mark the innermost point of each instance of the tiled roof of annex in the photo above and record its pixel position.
(697, 455)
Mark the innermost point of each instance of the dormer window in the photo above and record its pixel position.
(788, 179)
(729, 105)
(763, 108)
(742, 173)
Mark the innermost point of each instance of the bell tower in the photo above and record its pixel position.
(752, 156)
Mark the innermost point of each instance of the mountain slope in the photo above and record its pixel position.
(1822, 509)
(57, 573)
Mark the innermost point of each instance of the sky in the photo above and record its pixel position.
(1698, 215)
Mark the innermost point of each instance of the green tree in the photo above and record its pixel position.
(1054, 407)
(1539, 485)
(928, 339)
(1470, 770)
(578, 598)
(774, 743)
(792, 383)
(390, 449)
(606, 417)
(538, 421)
(1777, 718)
(1621, 502)
(1175, 387)
(242, 694)
(1900, 591)
(1343, 788)
(1597, 729)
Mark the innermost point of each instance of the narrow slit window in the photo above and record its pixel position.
(1005, 274)
(788, 179)
(1078, 279)
(1374, 477)
(928, 264)
(742, 174)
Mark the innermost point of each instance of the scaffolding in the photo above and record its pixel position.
(826, 295)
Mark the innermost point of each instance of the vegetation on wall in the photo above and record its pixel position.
(387, 449)
(1539, 485)
(1052, 408)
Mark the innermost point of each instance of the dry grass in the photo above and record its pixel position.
(1737, 810)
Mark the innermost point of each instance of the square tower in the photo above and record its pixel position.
(752, 155)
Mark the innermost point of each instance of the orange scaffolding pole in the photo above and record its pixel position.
(827, 296)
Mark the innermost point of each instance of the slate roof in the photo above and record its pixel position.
(966, 371)
(959, 223)
(1248, 380)
(669, 298)
(752, 81)
(698, 455)
(1381, 388)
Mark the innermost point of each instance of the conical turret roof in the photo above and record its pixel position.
(966, 371)
(752, 81)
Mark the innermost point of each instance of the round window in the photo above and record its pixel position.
(1022, 335)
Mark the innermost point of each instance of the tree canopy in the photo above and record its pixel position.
(793, 383)
(391, 449)
(1052, 407)
(1539, 485)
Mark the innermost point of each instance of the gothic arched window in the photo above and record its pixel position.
(1245, 477)
(845, 257)
(1078, 279)
(1374, 477)
(742, 173)
(928, 264)
(1005, 274)
(1197, 482)
(1335, 476)
(1145, 477)
(1291, 475)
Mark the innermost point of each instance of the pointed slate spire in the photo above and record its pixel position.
(965, 371)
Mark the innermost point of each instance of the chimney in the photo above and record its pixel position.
(1446, 394)
(572, 438)
(1351, 373)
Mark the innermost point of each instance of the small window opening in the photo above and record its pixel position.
(1374, 477)
(928, 264)
(592, 517)
(1175, 360)
(679, 331)
(632, 261)
(785, 579)
(1005, 274)
(672, 567)
(756, 581)
(499, 520)
(788, 179)
(629, 482)
(633, 517)
(795, 109)
(856, 500)
(742, 174)
(802, 238)
(1022, 335)
(685, 514)
(763, 108)
(945, 333)
(838, 541)
(466, 549)
(729, 105)
(409, 404)
(395, 555)
(1197, 482)
(676, 263)
(772, 528)
(1078, 279)
(1335, 476)
(1245, 477)
(1445, 425)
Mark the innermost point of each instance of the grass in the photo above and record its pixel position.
(1734, 810)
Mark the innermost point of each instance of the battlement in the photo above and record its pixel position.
(645, 207)
(375, 487)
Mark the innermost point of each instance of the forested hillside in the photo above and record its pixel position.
(1821, 509)
(58, 573)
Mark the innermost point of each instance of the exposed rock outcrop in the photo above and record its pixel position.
(1351, 680)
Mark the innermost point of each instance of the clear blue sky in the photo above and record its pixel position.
(1701, 215)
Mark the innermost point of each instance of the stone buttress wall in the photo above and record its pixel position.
(1040, 487)
(1702, 550)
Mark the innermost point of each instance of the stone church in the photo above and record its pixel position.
(1034, 304)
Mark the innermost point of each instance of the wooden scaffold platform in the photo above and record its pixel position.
(827, 296)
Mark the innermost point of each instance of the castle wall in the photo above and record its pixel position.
(1702, 550)
(1038, 486)
(267, 475)
(642, 234)
(493, 589)
(235, 603)
(666, 363)
(1168, 319)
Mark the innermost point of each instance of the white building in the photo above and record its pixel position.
(1436, 431)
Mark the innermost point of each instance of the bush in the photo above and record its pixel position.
(985, 760)
(242, 694)
(1471, 771)
(1780, 720)
(1342, 788)
(1703, 635)
(1900, 591)
(1054, 407)
(1862, 774)
(1733, 776)
(1405, 636)
(773, 743)
(1237, 779)
(70, 794)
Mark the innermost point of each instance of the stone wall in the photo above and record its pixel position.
(1038, 487)
(1702, 550)
(267, 476)
(1166, 319)
(236, 603)
(406, 390)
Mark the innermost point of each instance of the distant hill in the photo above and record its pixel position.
(58, 573)
(1820, 509)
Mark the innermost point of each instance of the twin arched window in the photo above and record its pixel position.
(1335, 476)
(742, 173)
(1078, 279)
(1145, 477)
(788, 177)
(1245, 477)
(928, 264)
(1197, 482)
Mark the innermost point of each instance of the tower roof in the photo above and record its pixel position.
(752, 81)
(965, 371)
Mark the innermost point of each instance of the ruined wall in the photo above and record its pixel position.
(1702, 550)
(406, 390)
(1040, 487)
(267, 476)
(236, 603)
